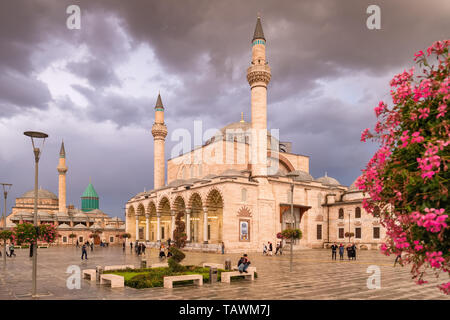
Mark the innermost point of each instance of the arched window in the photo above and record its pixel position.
(376, 212)
(244, 195)
(358, 212)
(341, 213)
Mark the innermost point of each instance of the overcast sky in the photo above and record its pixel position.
(96, 87)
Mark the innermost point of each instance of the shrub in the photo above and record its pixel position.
(175, 259)
(407, 179)
(292, 234)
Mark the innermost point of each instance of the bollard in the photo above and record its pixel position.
(99, 272)
(227, 264)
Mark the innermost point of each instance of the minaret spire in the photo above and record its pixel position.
(259, 34)
(62, 169)
(159, 132)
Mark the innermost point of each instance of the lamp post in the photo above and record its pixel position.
(292, 175)
(37, 153)
(6, 188)
(349, 231)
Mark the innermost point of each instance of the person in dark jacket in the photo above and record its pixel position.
(83, 252)
(353, 252)
(349, 252)
(243, 263)
(341, 251)
(334, 248)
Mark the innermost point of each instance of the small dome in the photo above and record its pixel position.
(79, 226)
(63, 226)
(328, 180)
(95, 226)
(209, 176)
(353, 186)
(42, 194)
(177, 183)
(110, 226)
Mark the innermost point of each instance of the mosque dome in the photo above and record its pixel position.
(353, 186)
(328, 180)
(42, 194)
(89, 199)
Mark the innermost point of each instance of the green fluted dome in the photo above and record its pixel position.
(89, 199)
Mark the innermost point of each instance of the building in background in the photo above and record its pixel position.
(84, 223)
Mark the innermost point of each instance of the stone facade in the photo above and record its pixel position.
(236, 189)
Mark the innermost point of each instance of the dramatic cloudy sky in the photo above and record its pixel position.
(96, 87)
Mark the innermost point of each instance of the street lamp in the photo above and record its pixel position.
(6, 188)
(292, 175)
(37, 153)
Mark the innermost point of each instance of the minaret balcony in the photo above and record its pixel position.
(258, 73)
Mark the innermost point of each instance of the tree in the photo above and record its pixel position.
(408, 177)
(175, 259)
(292, 234)
(28, 233)
(179, 233)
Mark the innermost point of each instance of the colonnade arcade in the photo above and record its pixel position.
(203, 218)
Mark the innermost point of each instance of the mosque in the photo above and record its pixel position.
(88, 223)
(236, 188)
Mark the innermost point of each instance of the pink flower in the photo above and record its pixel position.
(424, 113)
(418, 54)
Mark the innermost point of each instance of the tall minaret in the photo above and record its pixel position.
(258, 76)
(62, 169)
(159, 132)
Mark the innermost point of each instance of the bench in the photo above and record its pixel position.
(214, 265)
(113, 280)
(168, 281)
(90, 273)
(160, 265)
(226, 276)
(121, 267)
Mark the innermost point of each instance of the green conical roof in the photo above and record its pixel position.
(90, 192)
(259, 34)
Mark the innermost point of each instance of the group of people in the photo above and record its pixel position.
(9, 250)
(162, 251)
(268, 248)
(243, 263)
(351, 251)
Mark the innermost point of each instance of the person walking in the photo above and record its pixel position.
(334, 248)
(143, 248)
(223, 247)
(83, 252)
(123, 247)
(131, 246)
(264, 249)
(139, 249)
(78, 244)
(270, 248)
(341, 252)
(399, 256)
(243, 263)
(92, 245)
(11, 250)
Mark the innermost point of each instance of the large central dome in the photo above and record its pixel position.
(42, 194)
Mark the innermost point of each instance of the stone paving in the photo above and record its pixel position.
(314, 276)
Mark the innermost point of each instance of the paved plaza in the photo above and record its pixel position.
(314, 276)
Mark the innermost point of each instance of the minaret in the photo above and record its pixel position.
(159, 132)
(258, 76)
(62, 169)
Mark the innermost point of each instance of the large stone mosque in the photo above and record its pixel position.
(82, 223)
(236, 188)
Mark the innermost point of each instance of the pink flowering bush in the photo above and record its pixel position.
(408, 177)
(26, 233)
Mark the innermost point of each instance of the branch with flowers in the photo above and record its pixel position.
(408, 177)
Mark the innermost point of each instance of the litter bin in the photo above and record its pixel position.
(143, 264)
(227, 264)
(212, 274)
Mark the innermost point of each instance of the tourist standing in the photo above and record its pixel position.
(333, 251)
(161, 252)
(143, 248)
(139, 249)
(353, 252)
(92, 245)
(341, 251)
(264, 249)
(11, 250)
(83, 252)
(243, 263)
(349, 252)
(169, 241)
(131, 246)
(123, 247)
(223, 248)
(270, 248)
(78, 243)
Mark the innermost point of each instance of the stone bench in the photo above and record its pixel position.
(168, 281)
(43, 246)
(90, 273)
(113, 280)
(249, 269)
(226, 276)
(215, 265)
(121, 267)
(159, 265)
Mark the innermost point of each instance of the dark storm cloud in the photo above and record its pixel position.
(205, 44)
